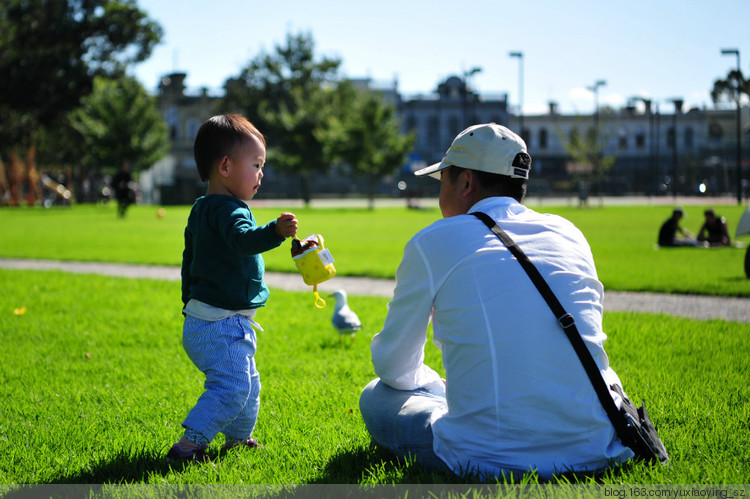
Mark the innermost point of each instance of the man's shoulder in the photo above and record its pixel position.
(452, 225)
(442, 225)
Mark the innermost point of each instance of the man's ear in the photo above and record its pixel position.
(224, 166)
(470, 185)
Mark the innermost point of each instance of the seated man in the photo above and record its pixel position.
(714, 230)
(515, 397)
(669, 229)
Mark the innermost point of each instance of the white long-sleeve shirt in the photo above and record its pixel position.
(517, 394)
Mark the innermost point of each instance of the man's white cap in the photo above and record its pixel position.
(488, 148)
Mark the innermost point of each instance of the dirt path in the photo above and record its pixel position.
(695, 307)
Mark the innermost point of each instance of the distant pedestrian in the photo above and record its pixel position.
(125, 189)
(583, 195)
(223, 286)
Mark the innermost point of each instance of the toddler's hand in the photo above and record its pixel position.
(286, 225)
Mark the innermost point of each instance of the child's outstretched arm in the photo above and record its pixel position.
(286, 225)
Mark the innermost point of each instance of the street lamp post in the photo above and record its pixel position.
(595, 141)
(647, 103)
(519, 56)
(736, 52)
(595, 89)
(650, 118)
(657, 141)
(467, 88)
(677, 109)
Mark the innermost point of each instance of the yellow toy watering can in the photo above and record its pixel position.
(314, 262)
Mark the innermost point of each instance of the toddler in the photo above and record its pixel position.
(222, 284)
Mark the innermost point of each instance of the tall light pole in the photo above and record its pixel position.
(519, 55)
(595, 142)
(595, 88)
(650, 117)
(657, 141)
(468, 118)
(736, 52)
(677, 110)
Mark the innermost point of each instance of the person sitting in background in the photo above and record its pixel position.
(669, 229)
(714, 230)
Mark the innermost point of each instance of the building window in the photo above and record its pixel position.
(689, 137)
(453, 126)
(622, 140)
(433, 130)
(191, 128)
(715, 132)
(411, 123)
(543, 139)
(172, 118)
(640, 140)
(526, 135)
(670, 137)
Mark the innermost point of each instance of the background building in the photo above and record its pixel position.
(696, 147)
(174, 180)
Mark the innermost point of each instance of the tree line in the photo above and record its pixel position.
(69, 104)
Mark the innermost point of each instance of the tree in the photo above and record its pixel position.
(287, 94)
(50, 52)
(366, 135)
(586, 150)
(734, 88)
(726, 89)
(119, 122)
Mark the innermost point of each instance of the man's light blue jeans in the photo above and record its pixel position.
(399, 421)
(223, 350)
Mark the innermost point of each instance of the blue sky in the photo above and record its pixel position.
(659, 49)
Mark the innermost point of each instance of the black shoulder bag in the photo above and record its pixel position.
(632, 424)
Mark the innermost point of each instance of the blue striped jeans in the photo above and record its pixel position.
(224, 351)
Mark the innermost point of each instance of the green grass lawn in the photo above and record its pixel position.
(370, 242)
(95, 383)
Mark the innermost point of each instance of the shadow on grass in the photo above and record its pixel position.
(370, 465)
(125, 467)
(374, 465)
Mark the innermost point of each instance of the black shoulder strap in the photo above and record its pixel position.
(566, 322)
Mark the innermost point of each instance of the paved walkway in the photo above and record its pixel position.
(695, 307)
